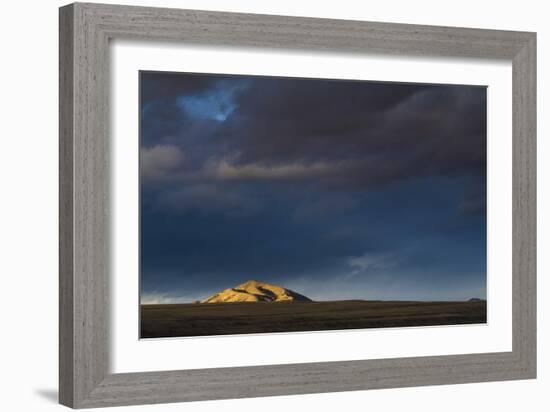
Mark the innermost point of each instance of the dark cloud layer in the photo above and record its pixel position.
(293, 180)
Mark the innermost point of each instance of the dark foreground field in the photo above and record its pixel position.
(234, 318)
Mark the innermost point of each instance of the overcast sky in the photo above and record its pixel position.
(335, 189)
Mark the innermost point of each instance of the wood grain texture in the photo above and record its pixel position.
(524, 204)
(85, 31)
(84, 227)
(66, 229)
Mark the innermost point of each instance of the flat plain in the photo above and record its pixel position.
(199, 319)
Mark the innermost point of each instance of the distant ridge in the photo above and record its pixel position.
(256, 291)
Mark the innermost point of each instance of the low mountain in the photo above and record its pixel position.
(256, 291)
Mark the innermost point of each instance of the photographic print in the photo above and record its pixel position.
(276, 204)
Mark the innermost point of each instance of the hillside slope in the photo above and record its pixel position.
(256, 291)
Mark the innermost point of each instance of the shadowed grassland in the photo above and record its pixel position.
(201, 319)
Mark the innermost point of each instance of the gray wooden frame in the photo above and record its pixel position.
(85, 31)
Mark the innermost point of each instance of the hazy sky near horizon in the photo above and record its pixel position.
(335, 189)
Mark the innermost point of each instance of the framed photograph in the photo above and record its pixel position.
(329, 204)
(257, 205)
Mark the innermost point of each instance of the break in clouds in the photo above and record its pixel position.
(337, 189)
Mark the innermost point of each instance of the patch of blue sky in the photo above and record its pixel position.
(215, 104)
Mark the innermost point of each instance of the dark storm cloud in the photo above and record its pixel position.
(361, 133)
(299, 181)
(404, 130)
(157, 87)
